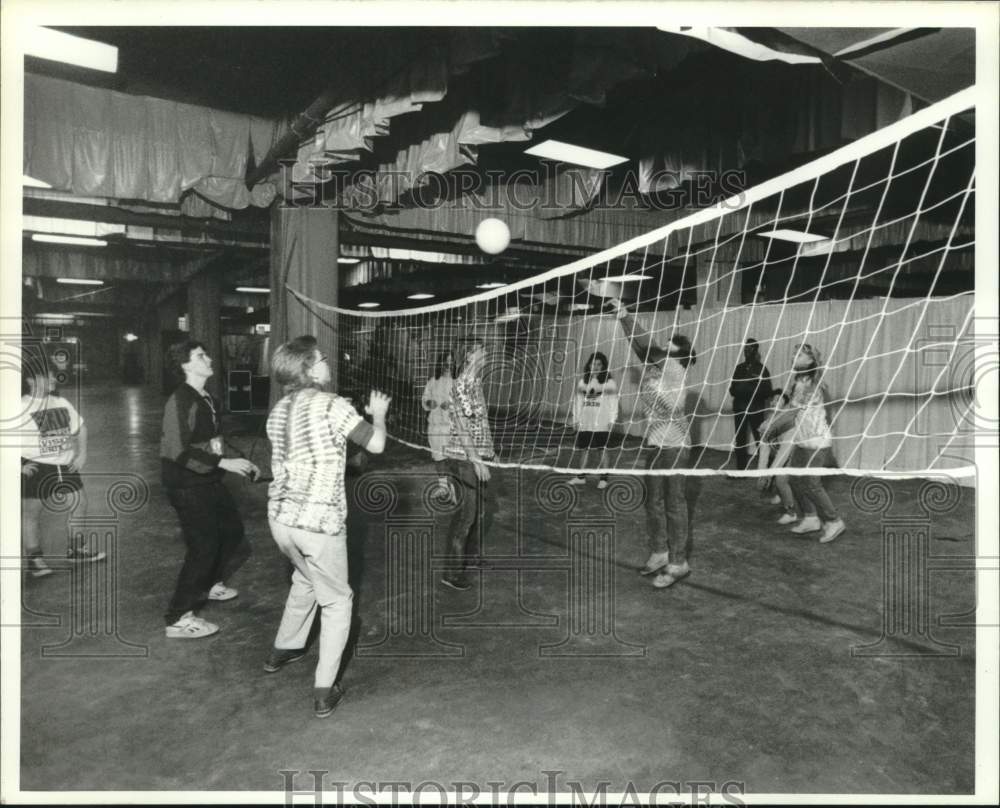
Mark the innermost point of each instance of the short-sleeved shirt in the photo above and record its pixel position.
(811, 430)
(437, 396)
(48, 429)
(661, 392)
(308, 458)
(596, 406)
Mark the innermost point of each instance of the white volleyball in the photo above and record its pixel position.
(492, 236)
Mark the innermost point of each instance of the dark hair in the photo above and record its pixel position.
(179, 354)
(34, 365)
(291, 363)
(443, 364)
(752, 345)
(602, 377)
(684, 352)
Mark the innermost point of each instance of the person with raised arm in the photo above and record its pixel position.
(309, 429)
(670, 499)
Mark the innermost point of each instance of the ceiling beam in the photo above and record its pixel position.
(187, 225)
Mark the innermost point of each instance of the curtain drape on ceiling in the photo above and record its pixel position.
(97, 142)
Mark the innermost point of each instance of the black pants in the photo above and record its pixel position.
(216, 544)
(747, 422)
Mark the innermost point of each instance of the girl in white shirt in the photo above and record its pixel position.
(436, 400)
(813, 442)
(595, 410)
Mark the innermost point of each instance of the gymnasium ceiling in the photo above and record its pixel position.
(280, 72)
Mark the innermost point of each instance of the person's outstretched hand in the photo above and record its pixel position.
(378, 404)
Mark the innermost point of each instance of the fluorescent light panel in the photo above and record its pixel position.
(629, 277)
(348, 260)
(491, 285)
(796, 236)
(420, 296)
(368, 305)
(577, 155)
(80, 240)
(254, 290)
(74, 50)
(80, 282)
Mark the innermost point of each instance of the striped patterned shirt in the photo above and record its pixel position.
(308, 458)
(469, 417)
(661, 392)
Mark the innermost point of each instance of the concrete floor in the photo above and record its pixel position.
(561, 658)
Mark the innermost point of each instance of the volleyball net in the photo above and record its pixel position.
(866, 254)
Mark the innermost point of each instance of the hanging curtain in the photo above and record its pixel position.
(96, 142)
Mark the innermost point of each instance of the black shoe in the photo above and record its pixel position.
(459, 584)
(326, 704)
(281, 657)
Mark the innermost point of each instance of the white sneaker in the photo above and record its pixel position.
(831, 530)
(190, 627)
(808, 525)
(222, 592)
(602, 484)
(578, 481)
(673, 574)
(37, 567)
(655, 563)
(787, 518)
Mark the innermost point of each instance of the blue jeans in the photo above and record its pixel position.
(810, 496)
(670, 505)
(477, 505)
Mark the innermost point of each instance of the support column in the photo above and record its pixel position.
(304, 250)
(204, 313)
(163, 320)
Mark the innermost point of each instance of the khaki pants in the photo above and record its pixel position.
(319, 581)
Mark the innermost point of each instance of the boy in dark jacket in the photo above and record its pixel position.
(192, 466)
(751, 392)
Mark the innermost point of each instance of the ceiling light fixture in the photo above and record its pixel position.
(419, 296)
(80, 282)
(796, 236)
(31, 182)
(737, 43)
(368, 305)
(254, 290)
(577, 155)
(626, 278)
(74, 50)
(84, 241)
(491, 285)
(348, 260)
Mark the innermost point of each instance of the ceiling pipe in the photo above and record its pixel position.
(303, 126)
